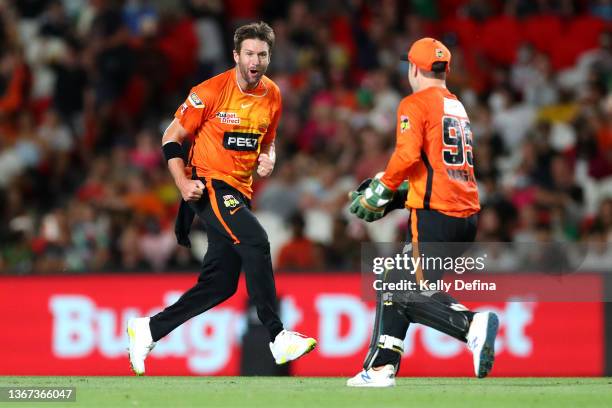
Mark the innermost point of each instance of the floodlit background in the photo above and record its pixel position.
(87, 88)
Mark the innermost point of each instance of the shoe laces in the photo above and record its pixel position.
(473, 343)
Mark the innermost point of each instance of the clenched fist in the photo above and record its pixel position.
(191, 190)
(266, 164)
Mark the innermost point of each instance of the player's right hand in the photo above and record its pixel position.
(361, 208)
(191, 190)
(370, 204)
(397, 202)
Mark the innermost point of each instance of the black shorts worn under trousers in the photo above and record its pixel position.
(236, 241)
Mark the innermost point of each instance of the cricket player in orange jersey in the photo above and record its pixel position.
(232, 118)
(434, 152)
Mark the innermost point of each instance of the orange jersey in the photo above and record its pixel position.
(230, 126)
(434, 152)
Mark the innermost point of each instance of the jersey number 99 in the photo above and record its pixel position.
(457, 139)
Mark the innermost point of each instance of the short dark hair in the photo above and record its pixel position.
(260, 31)
(432, 74)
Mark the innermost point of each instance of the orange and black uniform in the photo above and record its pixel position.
(434, 152)
(229, 127)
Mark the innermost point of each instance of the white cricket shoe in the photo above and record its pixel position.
(385, 377)
(481, 341)
(141, 343)
(289, 345)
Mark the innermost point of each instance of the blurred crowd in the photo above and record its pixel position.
(87, 88)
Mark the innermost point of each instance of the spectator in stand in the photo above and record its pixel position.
(374, 155)
(145, 155)
(299, 253)
(71, 82)
(603, 219)
(343, 253)
(281, 194)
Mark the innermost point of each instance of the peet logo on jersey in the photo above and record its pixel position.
(229, 118)
(242, 142)
(195, 101)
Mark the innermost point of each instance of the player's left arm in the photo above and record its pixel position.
(267, 153)
(370, 204)
(409, 142)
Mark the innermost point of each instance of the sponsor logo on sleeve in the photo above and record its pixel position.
(195, 101)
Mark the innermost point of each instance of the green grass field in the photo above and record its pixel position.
(271, 392)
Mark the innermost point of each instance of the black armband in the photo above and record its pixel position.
(172, 150)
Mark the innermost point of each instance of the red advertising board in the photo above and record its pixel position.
(75, 325)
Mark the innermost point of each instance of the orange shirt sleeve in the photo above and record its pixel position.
(271, 132)
(194, 111)
(409, 141)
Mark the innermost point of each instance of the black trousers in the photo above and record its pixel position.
(428, 230)
(236, 240)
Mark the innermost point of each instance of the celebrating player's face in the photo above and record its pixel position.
(252, 61)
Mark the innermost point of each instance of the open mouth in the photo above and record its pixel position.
(253, 71)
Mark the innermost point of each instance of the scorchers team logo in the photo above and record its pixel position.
(195, 101)
(404, 123)
(229, 201)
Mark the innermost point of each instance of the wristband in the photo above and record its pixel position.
(172, 150)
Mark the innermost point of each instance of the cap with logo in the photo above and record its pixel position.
(429, 54)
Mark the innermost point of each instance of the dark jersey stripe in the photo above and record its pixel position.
(429, 183)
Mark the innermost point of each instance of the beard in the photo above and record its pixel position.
(251, 79)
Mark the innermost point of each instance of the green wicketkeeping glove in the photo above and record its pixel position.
(397, 202)
(369, 204)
